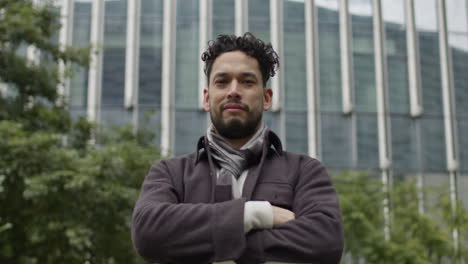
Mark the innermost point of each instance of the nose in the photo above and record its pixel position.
(234, 89)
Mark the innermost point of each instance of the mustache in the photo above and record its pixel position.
(237, 102)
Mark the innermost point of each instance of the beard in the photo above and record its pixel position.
(235, 127)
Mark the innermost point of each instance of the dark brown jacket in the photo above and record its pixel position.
(180, 216)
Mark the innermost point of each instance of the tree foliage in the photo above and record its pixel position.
(66, 205)
(34, 84)
(414, 237)
(63, 200)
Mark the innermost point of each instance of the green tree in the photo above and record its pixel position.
(413, 238)
(34, 98)
(62, 199)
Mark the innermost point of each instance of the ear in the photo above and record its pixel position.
(206, 101)
(267, 98)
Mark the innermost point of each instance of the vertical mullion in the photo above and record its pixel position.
(414, 86)
(381, 88)
(132, 58)
(449, 109)
(346, 59)
(276, 32)
(241, 17)
(447, 89)
(276, 28)
(95, 67)
(414, 75)
(311, 23)
(65, 39)
(206, 10)
(382, 109)
(167, 76)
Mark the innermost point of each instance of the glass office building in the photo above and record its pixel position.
(373, 85)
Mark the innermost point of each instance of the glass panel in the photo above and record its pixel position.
(462, 125)
(259, 19)
(395, 51)
(394, 11)
(405, 155)
(336, 140)
(427, 30)
(271, 120)
(187, 55)
(360, 7)
(432, 144)
(294, 59)
(81, 37)
(223, 17)
(115, 116)
(295, 76)
(189, 127)
(190, 122)
(462, 186)
(456, 16)
(150, 53)
(367, 141)
(296, 135)
(363, 55)
(426, 15)
(328, 4)
(150, 119)
(430, 72)
(113, 76)
(329, 56)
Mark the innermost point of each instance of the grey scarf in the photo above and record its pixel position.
(232, 161)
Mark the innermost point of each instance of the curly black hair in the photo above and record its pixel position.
(266, 56)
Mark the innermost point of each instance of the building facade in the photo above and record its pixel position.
(373, 85)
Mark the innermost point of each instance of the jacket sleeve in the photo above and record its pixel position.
(315, 236)
(164, 230)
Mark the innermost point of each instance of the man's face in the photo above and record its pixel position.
(235, 97)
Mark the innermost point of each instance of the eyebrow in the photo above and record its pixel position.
(244, 74)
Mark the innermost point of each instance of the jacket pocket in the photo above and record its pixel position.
(278, 194)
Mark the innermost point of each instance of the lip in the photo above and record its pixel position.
(233, 108)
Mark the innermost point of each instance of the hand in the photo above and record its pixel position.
(281, 216)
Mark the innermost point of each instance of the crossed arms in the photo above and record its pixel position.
(165, 230)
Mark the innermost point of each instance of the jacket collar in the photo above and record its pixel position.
(271, 139)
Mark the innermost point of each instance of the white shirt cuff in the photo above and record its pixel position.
(257, 215)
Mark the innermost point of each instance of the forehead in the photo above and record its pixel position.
(235, 62)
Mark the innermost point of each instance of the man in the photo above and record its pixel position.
(239, 197)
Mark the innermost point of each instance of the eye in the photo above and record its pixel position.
(220, 81)
(249, 82)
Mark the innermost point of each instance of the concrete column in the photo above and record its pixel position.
(448, 109)
(206, 10)
(384, 136)
(65, 39)
(414, 71)
(241, 17)
(167, 76)
(132, 59)
(95, 67)
(277, 82)
(313, 87)
(347, 82)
